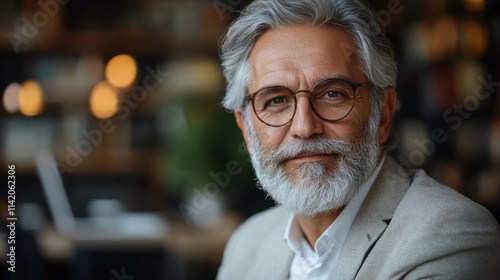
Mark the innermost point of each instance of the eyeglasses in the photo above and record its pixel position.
(331, 100)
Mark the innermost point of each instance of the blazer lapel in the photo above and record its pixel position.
(373, 218)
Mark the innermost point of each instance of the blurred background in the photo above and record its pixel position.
(126, 165)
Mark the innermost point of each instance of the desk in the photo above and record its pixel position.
(181, 247)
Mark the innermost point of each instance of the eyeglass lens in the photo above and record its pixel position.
(331, 100)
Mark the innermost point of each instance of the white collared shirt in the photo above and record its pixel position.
(321, 263)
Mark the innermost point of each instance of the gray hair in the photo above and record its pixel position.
(374, 48)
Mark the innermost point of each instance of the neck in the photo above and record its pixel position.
(313, 227)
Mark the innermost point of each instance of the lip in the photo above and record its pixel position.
(309, 157)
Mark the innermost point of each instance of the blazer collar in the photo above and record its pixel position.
(373, 217)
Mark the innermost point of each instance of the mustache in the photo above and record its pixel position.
(316, 145)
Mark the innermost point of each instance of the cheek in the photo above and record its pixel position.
(343, 130)
(269, 137)
(351, 128)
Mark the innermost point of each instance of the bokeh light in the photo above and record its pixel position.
(121, 71)
(103, 101)
(474, 5)
(11, 97)
(475, 37)
(30, 98)
(195, 76)
(440, 38)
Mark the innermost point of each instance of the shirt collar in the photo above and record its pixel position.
(338, 230)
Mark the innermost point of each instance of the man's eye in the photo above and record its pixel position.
(333, 94)
(277, 102)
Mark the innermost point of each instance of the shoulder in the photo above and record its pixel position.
(260, 230)
(260, 239)
(438, 230)
(434, 200)
(269, 224)
(429, 206)
(434, 232)
(264, 221)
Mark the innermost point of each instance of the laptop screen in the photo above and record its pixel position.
(54, 192)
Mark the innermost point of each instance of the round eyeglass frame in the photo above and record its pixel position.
(251, 97)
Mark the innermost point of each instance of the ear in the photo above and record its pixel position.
(243, 127)
(386, 114)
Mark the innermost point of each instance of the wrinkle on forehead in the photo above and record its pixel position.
(294, 56)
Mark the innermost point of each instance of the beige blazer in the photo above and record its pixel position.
(408, 227)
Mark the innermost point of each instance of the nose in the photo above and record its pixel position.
(305, 123)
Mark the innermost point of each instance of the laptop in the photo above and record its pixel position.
(118, 225)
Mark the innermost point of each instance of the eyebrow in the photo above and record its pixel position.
(338, 76)
(316, 82)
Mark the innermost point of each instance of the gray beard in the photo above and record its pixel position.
(318, 187)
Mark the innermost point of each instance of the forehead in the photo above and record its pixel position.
(303, 54)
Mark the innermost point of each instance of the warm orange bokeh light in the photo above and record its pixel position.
(103, 101)
(475, 5)
(30, 98)
(121, 71)
(475, 37)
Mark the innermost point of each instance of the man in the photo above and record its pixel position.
(312, 87)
